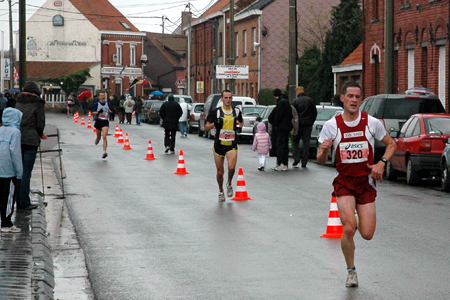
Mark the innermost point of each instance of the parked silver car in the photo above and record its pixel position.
(194, 116)
(249, 114)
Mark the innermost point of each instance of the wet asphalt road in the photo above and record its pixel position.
(150, 234)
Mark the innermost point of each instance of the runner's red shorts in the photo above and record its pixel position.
(359, 187)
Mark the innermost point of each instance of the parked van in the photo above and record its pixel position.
(393, 110)
(212, 102)
(187, 98)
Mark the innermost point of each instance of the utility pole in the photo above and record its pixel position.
(11, 49)
(189, 42)
(292, 48)
(389, 48)
(232, 54)
(22, 45)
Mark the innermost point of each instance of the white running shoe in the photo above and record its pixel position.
(281, 168)
(352, 279)
(12, 229)
(229, 190)
(221, 197)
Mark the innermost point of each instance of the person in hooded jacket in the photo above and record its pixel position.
(170, 113)
(184, 117)
(262, 144)
(11, 167)
(281, 120)
(32, 127)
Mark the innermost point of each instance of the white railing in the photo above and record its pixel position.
(55, 100)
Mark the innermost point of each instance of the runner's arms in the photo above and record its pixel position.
(378, 168)
(322, 155)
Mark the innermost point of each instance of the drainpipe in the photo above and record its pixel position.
(259, 54)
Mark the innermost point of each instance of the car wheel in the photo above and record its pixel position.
(391, 174)
(189, 128)
(412, 176)
(200, 132)
(445, 178)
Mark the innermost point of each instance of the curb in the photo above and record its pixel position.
(42, 277)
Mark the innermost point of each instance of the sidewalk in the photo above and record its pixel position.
(44, 261)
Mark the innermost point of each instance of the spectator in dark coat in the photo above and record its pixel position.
(138, 110)
(307, 114)
(170, 113)
(32, 128)
(281, 120)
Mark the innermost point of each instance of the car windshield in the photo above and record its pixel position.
(156, 105)
(252, 110)
(437, 125)
(325, 114)
(198, 108)
(404, 108)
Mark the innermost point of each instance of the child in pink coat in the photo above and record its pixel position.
(262, 143)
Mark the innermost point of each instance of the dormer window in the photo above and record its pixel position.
(124, 24)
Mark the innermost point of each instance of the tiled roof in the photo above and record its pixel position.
(172, 42)
(103, 15)
(356, 57)
(260, 4)
(220, 4)
(39, 70)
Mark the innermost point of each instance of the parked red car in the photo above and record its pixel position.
(420, 144)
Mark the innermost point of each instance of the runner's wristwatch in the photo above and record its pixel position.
(384, 160)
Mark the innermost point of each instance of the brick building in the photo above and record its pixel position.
(70, 35)
(261, 42)
(167, 67)
(421, 46)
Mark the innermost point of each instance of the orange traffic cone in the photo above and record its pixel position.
(150, 155)
(120, 140)
(89, 124)
(82, 121)
(75, 117)
(334, 226)
(95, 130)
(117, 131)
(90, 115)
(127, 143)
(241, 189)
(181, 169)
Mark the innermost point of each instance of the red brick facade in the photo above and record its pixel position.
(115, 83)
(420, 44)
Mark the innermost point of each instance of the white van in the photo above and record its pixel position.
(239, 100)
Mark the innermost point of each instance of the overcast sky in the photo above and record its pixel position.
(146, 15)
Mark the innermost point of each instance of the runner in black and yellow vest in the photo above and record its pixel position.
(227, 121)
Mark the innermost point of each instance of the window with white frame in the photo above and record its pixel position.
(236, 41)
(132, 55)
(245, 42)
(119, 54)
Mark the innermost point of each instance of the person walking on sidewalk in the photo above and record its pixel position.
(100, 111)
(11, 167)
(262, 144)
(184, 117)
(129, 108)
(227, 121)
(170, 113)
(32, 130)
(138, 110)
(307, 114)
(353, 135)
(281, 120)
